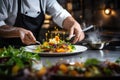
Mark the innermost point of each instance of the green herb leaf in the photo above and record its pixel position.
(17, 57)
(92, 61)
(118, 60)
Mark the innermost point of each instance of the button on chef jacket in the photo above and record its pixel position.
(9, 10)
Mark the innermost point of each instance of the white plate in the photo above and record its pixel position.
(78, 50)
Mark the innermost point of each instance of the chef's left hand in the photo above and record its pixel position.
(73, 28)
(26, 36)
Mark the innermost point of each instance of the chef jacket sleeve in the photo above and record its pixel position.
(3, 12)
(58, 13)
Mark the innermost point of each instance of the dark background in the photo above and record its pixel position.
(92, 12)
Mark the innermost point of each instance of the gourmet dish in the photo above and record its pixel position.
(13, 61)
(90, 68)
(55, 45)
(16, 63)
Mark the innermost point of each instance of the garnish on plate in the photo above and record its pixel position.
(13, 60)
(90, 68)
(55, 45)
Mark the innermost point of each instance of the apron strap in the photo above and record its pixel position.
(19, 7)
(41, 7)
(25, 22)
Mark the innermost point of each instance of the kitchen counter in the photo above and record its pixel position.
(81, 57)
(111, 55)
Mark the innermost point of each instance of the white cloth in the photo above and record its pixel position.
(9, 9)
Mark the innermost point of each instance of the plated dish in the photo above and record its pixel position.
(91, 69)
(55, 47)
(78, 49)
(14, 61)
(15, 64)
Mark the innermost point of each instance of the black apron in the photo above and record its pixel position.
(26, 22)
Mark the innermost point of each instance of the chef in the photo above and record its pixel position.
(21, 20)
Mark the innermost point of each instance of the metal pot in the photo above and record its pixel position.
(98, 45)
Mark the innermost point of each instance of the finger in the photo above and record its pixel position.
(76, 39)
(81, 36)
(71, 32)
(27, 41)
(23, 38)
(31, 37)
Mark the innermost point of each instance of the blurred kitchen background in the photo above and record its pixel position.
(103, 15)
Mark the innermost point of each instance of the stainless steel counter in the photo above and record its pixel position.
(99, 54)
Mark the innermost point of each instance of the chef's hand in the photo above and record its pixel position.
(77, 31)
(27, 36)
(73, 28)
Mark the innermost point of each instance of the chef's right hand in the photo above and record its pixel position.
(27, 36)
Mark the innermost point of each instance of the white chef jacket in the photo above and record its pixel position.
(9, 9)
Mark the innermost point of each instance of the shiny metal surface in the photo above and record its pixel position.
(99, 54)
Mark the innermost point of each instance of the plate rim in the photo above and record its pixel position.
(58, 54)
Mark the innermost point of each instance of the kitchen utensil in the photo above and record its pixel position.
(85, 29)
(97, 45)
(38, 42)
